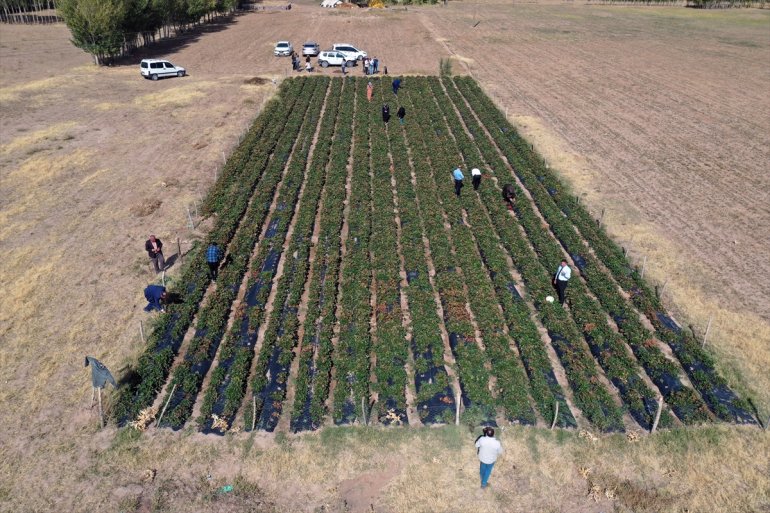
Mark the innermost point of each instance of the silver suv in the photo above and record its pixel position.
(311, 48)
(351, 52)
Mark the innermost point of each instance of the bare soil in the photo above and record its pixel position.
(659, 115)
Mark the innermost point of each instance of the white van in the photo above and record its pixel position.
(158, 68)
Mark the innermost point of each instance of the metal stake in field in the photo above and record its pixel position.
(644, 266)
(457, 408)
(179, 249)
(189, 218)
(100, 376)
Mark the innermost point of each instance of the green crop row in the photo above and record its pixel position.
(351, 356)
(696, 361)
(212, 320)
(591, 396)
(606, 345)
(544, 388)
(511, 381)
(469, 358)
(431, 379)
(169, 330)
(313, 377)
(269, 382)
(390, 346)
(226, 386)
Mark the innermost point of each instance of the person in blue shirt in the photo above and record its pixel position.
(458, 176)
(396, 85)
(561, 278)
(155, 296)
(213, 257)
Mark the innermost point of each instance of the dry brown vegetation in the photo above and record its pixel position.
(659, 115)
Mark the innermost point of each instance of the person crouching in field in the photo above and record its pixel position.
(488, 449)
(476, 178)
(508, 195)
(156, 296)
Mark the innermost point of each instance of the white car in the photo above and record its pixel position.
(326, 59)
(283, 48)
(310, 48)
(158, 68)
(351, 52)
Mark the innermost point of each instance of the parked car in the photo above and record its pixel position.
(158, 68)
(311, 48)
(326, 59)
(283, 48)
(351, 52)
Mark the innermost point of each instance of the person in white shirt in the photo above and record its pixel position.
(476, 178)
(561, 278)
(488, 448)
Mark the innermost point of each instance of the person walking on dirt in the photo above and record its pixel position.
(385, 113)
(369, 91)
(376, 63)
(396, 85)
(154, 248)
(458, 176)
(508, 194)
(488, 449)
(561, 279)
(155, 295)
(365, 65)
(213, 257)
(401, 113)
(476, 178)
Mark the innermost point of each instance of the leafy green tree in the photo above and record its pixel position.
(96, 26)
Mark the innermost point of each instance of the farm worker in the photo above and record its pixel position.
(396, 85)
(401, 113)
(561, 278)
(476, 178)
(376, 65)
(508, 195)
(213, 257)
(385, 70)
(371, 66)
(385, 113)
(458, 176)
(488, 449)
(154, 248)
(155, 295)
(365, 64)
(369, 91)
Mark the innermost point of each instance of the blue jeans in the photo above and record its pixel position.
(485, 471)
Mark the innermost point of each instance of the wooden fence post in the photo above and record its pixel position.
(457, 409)
(141, 331)
(254, 412)
(706, 335)
(657, 415)
(644, 266)
(101, 414)
(163, 412)
(179, 250)
(555, 415)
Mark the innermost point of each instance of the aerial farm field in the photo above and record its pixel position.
(362, 307)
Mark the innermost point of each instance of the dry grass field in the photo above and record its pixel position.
(660, 116)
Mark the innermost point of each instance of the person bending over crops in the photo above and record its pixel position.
(156, 296)
(508, 195)
(401, 113)
(396, 85)
(386, 113)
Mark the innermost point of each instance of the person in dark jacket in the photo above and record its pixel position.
(154, 248)
(508, 195)
(401, 113)
(476, 178)
(155, 295)
(385, 113)
(396, 85)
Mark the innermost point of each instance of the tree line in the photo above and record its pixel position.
(111, 28)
